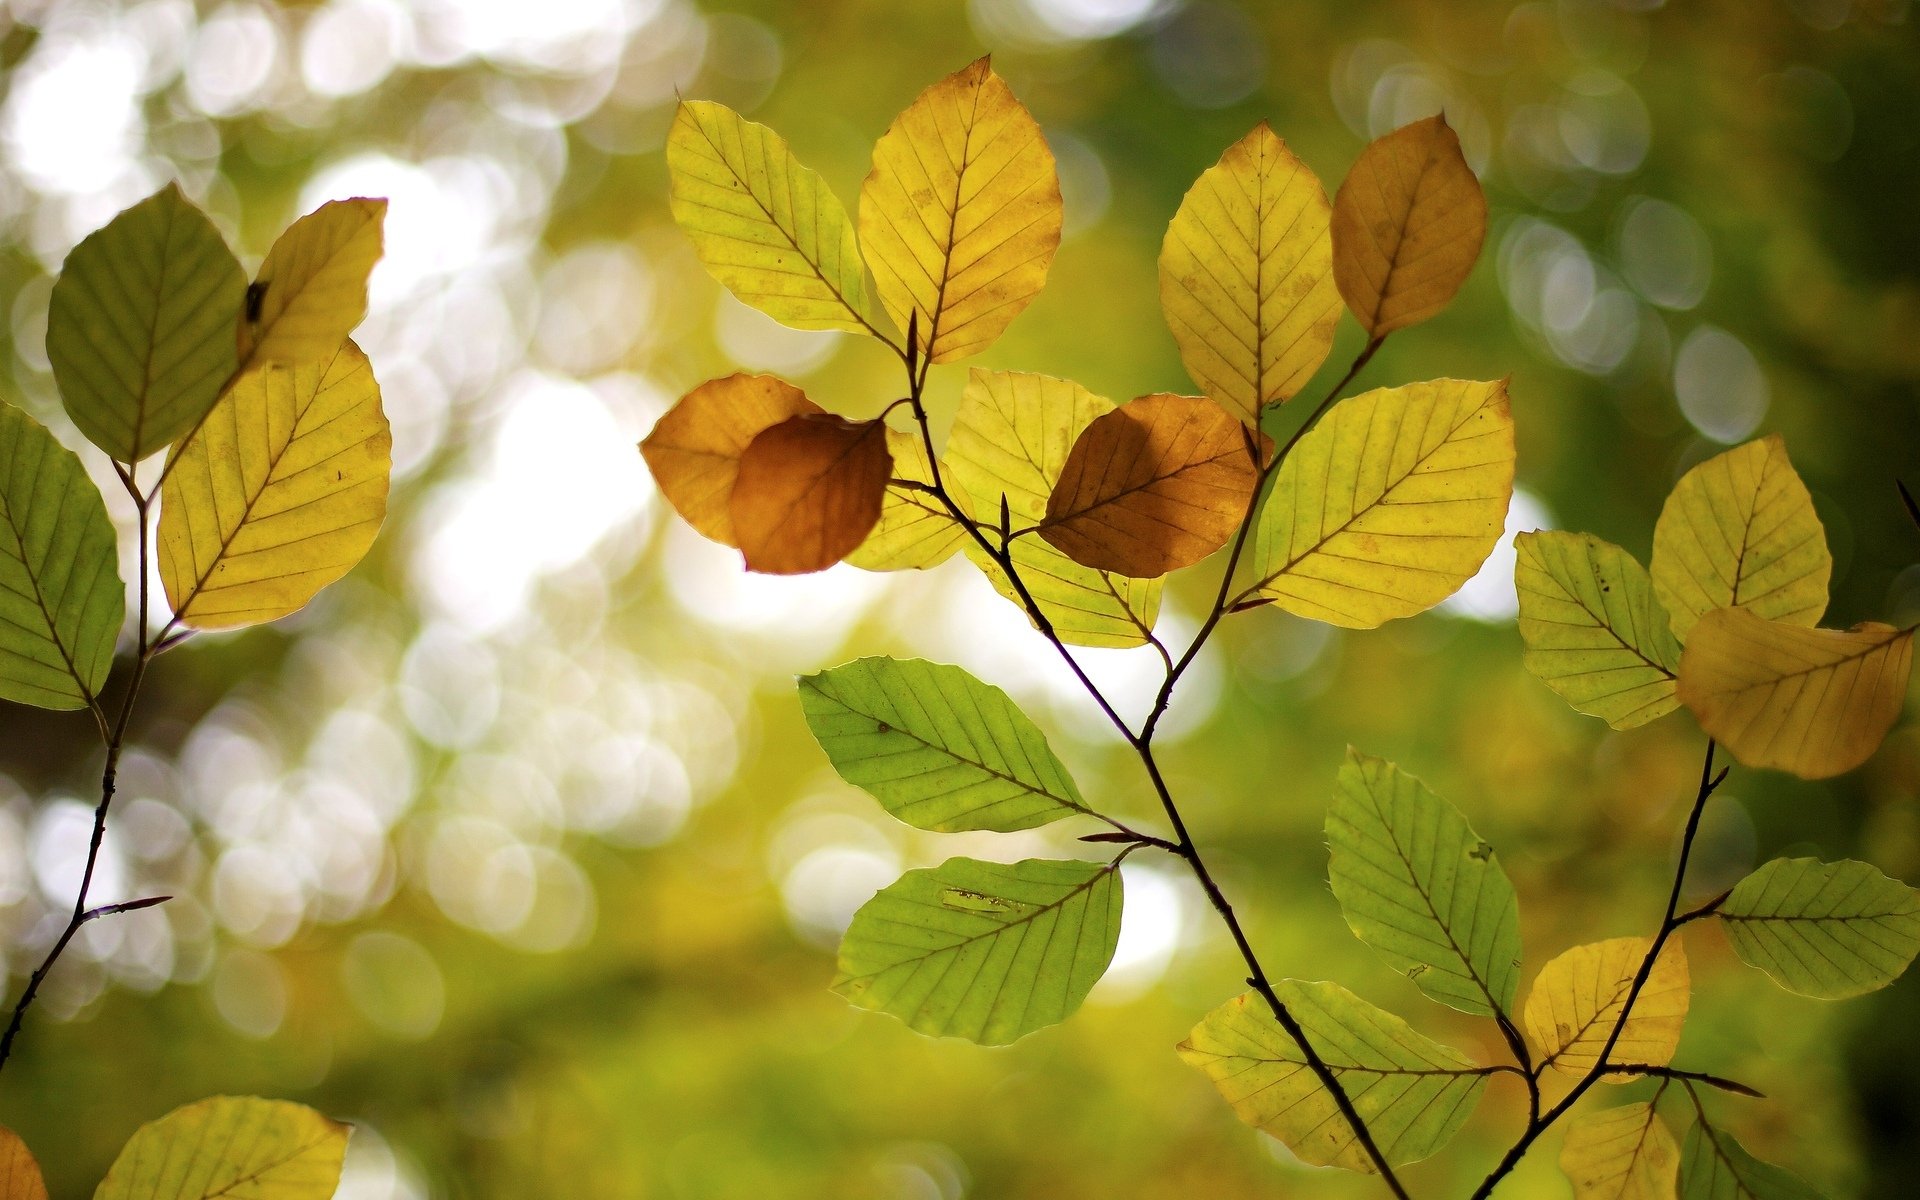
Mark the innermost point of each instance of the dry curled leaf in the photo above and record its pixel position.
(808, 492)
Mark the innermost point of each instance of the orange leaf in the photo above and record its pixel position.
(809, 491)
(19, 1174)
(1155, 485)
(694, 451)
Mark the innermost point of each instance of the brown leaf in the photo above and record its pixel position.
(694, 451)
(1155, 485)
(1407, 226)
(809, 491)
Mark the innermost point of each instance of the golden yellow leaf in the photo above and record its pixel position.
(1740, 529)
(1155, 485)
(312, 289)
(1246, 276)
(1593, 630)
(1816, 702)
(915, 530)
(1010, 439)
(694, 450)
(960, 216)
(1391, 503)
(232, 1148)
(1577, 998)
(278, 493)
(19, 1174)
(808, 492)
(1623, 1153)
(1407, 226)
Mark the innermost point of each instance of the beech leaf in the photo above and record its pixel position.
(230, 1147)
(1830, 930)
(312, 287)
(1624, 1153)
(808, 492)
(19, 1174)
(1577, 998)
(694, 450)
(1594, 631)
(1714, 1166)
(915, 530)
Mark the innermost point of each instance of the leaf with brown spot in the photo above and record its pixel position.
(808, 492)
(694, 451)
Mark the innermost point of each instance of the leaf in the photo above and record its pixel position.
(1246, 276)
(140, 325)
(961, 213)
(232, 1148)
(1594, 631)
(1623, 1153)
(1391, 503)
(61, 600)
(808, 492)
(1816, 702)
(1714, 1166)
(915, 530)
(278, 493)
(1412, 1092)
(1576, 1002)
(1407, 226)
(312, 289)
(940, 749)
(764, 225)
(983, 951)
(694, 450)
(1417, 884)
(1830, 930)
(1740, 529)
(1011, 438)
(19, 1174)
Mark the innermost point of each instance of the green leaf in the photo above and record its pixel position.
(1419, 886)
(1713, 1166)
(940, 749)
(1594, 631)
(1412, 1092)
(61, 600)
(140, 327)
(1830, 930)
(236, 1148)
(983, 951)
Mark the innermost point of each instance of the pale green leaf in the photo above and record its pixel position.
(1624, 1153)
(1830, 930)
(1594, 631)
(1713, 1166)
(233, 1148)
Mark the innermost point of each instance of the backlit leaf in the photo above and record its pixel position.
(1594, 631)
(808, 492)
(1152, 486)
(1816, 702)
(1412, 1092)
(140, 325)
(1392, 502)
(915, 530)
(1419, 886)
(1011, 438)
(1577, 998)
(278, 493)
(940, 749)
(1246, 276)
(960, 216)
(19, 1174)
(1740, 529)
(765, 226)
(985, 951)
(312, 289)
(1407, 226)
(694, 450)
(1830, 930)
(61, 601)
(1714, 1166)
(1623, 1153)
(233, 1148)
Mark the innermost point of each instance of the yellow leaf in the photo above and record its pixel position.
(809, 491)
(961, 213)
(1407, 226)
(1155, 485)
(1577, 998)
(915, 530)
(230, 1147)
(312, 289)
(278, 493)
(1010, 438)
(1740, 529)
(1623, 1153)
(1816, 702)
(1593, 630)
(19, 1174)
(1246, 276)
(1391, 503)
(694, 451)
(767, 227)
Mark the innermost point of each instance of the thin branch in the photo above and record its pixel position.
(1664, 1073)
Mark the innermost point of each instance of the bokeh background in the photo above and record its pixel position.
(513, 850)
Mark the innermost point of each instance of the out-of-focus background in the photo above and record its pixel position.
(513, 850)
